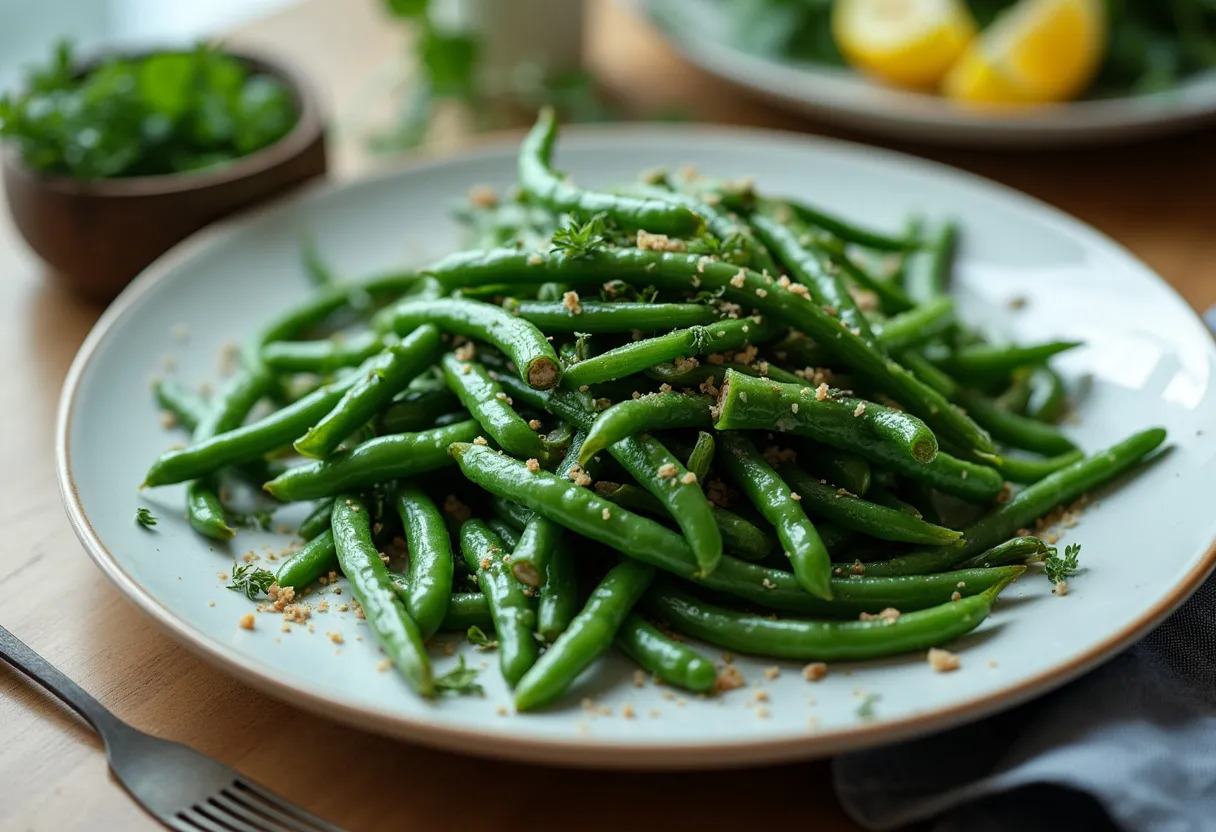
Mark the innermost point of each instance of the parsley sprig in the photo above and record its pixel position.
(576, 239)
(461, 679)
(145, 518)
(250, 580)
(480, 640)
(1059, 568)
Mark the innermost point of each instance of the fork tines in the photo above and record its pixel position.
(247, 807)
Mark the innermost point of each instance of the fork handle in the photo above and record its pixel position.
(17, 653)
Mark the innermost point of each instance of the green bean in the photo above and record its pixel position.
(511, 512)
(692, 374)
(317, 520)
(465, 610)
(588, 637)
(1027, 505)
(596, 316)
(251, 441)
(821, 640)
(1018, 550)
(1018, 469)
(744, 248)
(513, 611)
(926, 272)
(186, 406)
(372, 587)
(559, 595)
(881, 435)
(918, 325)
(783, 304)
(864, 516)
(654, 411)
(582, 511)
(522, 342)
(848, 231)
(315, 558)
(669, 660)
(840, 468)
(557, 441)
(389, 374)
(510, 537)
(430, 569)
(417, 410)
(883, 497)
(491, 407)
(323, 356)
(541, 536)
(373, 461)
(638, 356)
(701, 457)
(891, 298)
(1048, 398)
(772, 497)
(810, 268)
(989, 361)
(316, 309)
(539, 183)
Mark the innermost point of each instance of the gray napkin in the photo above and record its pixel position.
(1130, 746)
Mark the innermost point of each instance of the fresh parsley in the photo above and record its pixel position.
(250, 580)
(866, 709)
(480, 640)
(460, 680)
(159, 113)
(1059, 568)
(145, 518)
(580, 240)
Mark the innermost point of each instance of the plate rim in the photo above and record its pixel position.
(1092, 121)
(583, 752)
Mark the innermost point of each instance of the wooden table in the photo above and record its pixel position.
(1154, 198)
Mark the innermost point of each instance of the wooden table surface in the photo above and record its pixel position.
(1154, 198)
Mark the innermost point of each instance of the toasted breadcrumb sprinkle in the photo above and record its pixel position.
(480, 440)
(739, 279)
(956, 596)
(821, 392)
(483, 196)
(606, 514)
(466, 351)
(578, 476)
(729, 679)
(534, 424)
(890, 614)
(815, 671)
(532, 465)
(627, 711)
(1061, 588)
(659, 242)
(858, 568)
(570, 300)
(771, 673)
(943, 661)
(384, 665)
(336, 638)
(666, 470)
(639, 678)
(246, 622)
(689, 478)
(860, 409)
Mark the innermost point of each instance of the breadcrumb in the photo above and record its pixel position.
(821, 392)
(246, 622)
(729, 679)
(659, 242)
(861, 408)
(532, 465)
(815, 671)
(689, 478)
(943, 661)
(570, 300)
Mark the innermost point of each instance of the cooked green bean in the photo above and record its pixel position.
(891, 298)
(1027, 505)
(540, 536)
(864, 516)
(324, 356)
(559, 595)
(252, 441)
(810, 268)
(1022, 549)
(669, 660)
(772, 497)
(389, 374)
(589, 635)
(314, 559)
(786, 638)
(641, 355)
(739, 243)
(430, 569)
(370, 462)
(1021, 470)
(597, 316)
(513, 611)
(654, 411)
(485, 400)
(186, 406)
(372, 587)
(522, 342)
(881, 435)
(1048, 399)
(584, 512)
(317, 520)
(465, 610)
(539, 183)
(840, 468)
(691, 374)
(418, 410)
(848, 231)
(989, 361)
(916, 326)
(774, 300)
(701, 457)
(926, 272)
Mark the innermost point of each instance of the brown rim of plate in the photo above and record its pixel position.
(584, 752)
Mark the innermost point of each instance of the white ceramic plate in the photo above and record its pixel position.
(1146, 544)
(701, 32)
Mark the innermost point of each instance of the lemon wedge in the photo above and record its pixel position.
(909, 43)
(1038, 51)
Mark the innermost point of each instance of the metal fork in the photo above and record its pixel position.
(184, 789)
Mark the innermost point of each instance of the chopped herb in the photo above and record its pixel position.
(145, 518)
(480, 640)
(1058, 568)
(460, 680)
(866, 709)
(575, 240)
(250, 580)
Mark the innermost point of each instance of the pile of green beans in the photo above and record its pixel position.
(690, 411)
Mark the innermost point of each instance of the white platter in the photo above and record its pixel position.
(1147, 544)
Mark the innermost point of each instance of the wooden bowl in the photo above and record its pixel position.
(96, 235)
